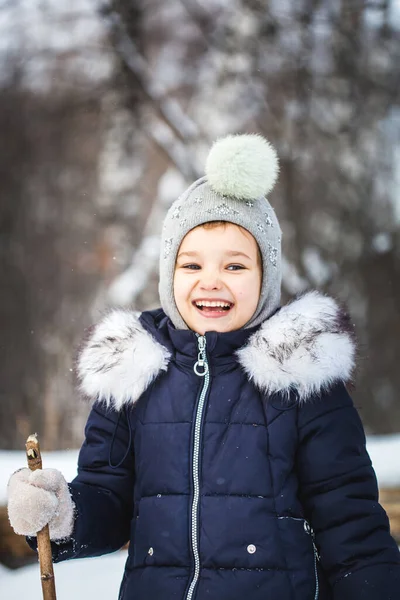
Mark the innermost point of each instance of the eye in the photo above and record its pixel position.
(192, 267)
(235, 267)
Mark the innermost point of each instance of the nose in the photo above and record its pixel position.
(210, 280)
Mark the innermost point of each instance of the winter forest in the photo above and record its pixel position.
(107, 111)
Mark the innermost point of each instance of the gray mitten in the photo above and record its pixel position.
(37, 498)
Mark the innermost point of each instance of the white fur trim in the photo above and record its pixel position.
(120, 360)
(305, 347)
(242, 166)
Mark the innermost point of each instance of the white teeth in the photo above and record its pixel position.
(209, 303)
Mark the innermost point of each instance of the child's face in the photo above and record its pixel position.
(218, 264)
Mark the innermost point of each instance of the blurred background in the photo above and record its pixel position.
(107, 112)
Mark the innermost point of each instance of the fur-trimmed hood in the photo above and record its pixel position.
(306, 346)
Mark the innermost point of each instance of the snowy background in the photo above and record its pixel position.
(107, 111)
(98, 578)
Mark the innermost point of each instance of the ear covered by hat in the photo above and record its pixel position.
(240, 170)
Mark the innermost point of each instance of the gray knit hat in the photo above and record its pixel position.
(240, 171)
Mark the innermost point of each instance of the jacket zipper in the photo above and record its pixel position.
(202, 370)
(310, 531)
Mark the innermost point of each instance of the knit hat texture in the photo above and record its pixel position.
(240, 171)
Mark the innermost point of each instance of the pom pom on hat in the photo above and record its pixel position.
(242, 166)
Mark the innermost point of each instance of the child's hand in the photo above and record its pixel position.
(37, 498)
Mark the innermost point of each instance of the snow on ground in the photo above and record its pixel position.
(100, 577)
(384, 451)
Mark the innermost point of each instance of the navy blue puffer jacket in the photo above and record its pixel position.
(246, 480)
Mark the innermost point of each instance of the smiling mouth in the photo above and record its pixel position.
(207, 310)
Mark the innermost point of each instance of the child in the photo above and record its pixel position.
(222, 442)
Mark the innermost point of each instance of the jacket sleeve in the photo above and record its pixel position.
(102, 493)
(339, 492)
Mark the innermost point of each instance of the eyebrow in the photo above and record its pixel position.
(231, 253)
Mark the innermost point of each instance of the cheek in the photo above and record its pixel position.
(181, 287)
(250, 292)
(249, 302)
(176, 287)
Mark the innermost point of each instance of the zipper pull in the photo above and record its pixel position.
(317, 554)
(310, 531)
(201, 357)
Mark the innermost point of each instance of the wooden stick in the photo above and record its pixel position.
(43, 537)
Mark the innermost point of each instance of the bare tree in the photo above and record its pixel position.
(321, 80)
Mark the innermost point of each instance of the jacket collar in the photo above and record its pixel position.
(220, 347)
(305, 346)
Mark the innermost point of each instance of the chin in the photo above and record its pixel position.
(201, 326)
(218, 327)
